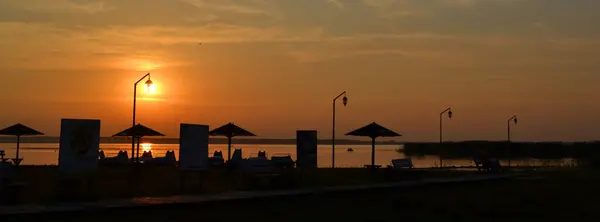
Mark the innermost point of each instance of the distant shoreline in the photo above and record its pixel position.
(113, 140)
(246, 140)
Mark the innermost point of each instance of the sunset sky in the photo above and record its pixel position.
(274, 66)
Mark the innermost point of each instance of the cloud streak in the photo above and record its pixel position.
(228, 6)
(459, 51)
(336, 3)
(56, 6)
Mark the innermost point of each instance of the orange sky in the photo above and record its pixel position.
(274, 66)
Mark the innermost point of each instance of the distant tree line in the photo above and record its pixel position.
(503, 150)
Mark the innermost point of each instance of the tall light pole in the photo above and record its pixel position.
(148, 83)
(345, 101)
(449, 111)
(512, 119)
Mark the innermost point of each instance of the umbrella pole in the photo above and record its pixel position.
(373, 153)
(17, 162)
(229, 149)
(133, 149)
(137, 155)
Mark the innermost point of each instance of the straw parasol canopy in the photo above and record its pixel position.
(137, 132)
(230, 130)
(19, 130)
(373, 131)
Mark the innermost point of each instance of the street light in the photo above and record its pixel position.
(148, 84)
(512, 119)
(449, 111)
(345, 102)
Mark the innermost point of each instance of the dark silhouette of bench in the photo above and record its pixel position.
(402, 163)
(487, 165)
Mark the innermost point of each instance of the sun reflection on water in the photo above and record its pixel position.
(146, 147)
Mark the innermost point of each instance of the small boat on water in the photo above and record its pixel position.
(350, 150)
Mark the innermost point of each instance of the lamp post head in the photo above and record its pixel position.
(450, 114)
(149, 86)
(149, 83)
(345, 100)
(515, 120)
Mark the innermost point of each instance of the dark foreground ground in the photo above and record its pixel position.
(46, 185)
(564, 195)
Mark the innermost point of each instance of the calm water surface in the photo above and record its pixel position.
(47, 154)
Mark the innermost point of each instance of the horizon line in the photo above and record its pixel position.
(37, 138)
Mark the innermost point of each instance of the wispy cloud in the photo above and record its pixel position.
(470, 3)
(515, 51)
(336, 3)
(453, 50)
(229, 6)
(56, 6)
(421, 42)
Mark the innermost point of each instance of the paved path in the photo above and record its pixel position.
(241, 195)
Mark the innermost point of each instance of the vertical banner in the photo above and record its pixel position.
(79, 145)
(306, 148)
(193, 147)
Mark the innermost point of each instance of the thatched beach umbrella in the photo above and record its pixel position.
(19, 130)
(373, 131)
(137, 132)
(230, 130)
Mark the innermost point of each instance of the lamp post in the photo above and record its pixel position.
(345, 101)
(512, 119)
(148, 83)
(449, 111)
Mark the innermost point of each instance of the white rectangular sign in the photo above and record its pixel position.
(79, 145)
(193, 147)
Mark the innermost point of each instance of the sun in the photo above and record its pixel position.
(150, 89)
(146, 147)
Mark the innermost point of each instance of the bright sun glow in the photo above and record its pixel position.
(146, 147)
(150, 89)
